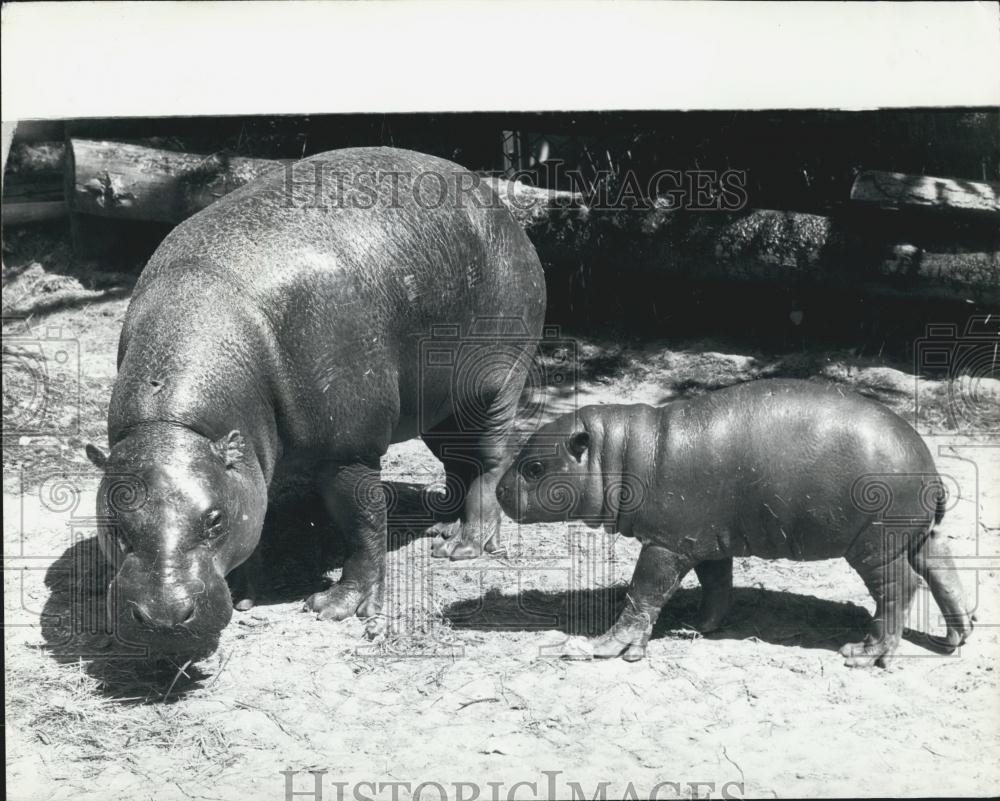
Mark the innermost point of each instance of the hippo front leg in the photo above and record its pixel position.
(657, 575)
(356, 502)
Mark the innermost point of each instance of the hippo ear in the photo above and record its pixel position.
(96, 456)
(578, 444)
(230, 448)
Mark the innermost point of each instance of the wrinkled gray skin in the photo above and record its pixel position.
(778, 469)
(274, 327)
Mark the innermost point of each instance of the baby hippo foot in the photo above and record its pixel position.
(456, 541)
(627, 639)
(708, 621)
(342, 601)
(870, 652)
(958, 632)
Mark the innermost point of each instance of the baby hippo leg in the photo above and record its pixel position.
(657, 574)
(716, 578)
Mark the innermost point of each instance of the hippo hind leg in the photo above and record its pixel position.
(463, 466)
(474, 459)
(716, 579)
(933, 562)
(883, 566)
(471, 476)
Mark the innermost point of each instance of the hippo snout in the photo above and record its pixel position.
(503, 491)
(184, 615)
(164, 616)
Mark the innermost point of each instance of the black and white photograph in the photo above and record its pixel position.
(485, 401)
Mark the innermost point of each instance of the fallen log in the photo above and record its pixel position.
(36, 158)
(17, 189)
(783, 248)
(132, 182)
(33, 212)
(893, 190)
(34, 172)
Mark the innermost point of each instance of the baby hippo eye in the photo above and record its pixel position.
(214, 521)
(533, 470)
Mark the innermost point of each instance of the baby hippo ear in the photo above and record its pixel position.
(97, 457)
(230, 448)
(578, 444)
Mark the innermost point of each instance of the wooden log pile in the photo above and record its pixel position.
(883, 241)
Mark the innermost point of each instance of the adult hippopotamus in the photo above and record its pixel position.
(290, 321)
(779, 469)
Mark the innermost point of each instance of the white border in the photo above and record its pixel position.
(101, 59)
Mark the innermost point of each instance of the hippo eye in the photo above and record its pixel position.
(214, 521)
(533, 470)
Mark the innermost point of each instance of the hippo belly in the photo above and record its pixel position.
(784, 469)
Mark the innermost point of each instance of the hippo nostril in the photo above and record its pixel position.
(180, 615)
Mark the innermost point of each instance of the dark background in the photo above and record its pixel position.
(794, 161)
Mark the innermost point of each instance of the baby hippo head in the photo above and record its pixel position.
(557, 476)
(176, 512)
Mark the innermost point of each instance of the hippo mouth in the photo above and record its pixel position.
(160, 648)
(175, 644)
(188, 630)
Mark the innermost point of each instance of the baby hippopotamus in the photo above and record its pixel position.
(778, 469)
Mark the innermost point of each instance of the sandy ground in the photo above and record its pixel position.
(465, 691)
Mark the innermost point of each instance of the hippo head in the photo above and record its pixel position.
(557, 476)
(176, 511)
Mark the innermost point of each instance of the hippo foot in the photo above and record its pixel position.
(341, 602)
(244, 597)
(607, 646)
(706, 623)
(456, 542)
(869, 653)
(958, 633)
(581, 648)
(627, 639)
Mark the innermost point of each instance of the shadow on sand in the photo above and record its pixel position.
(780, 618)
